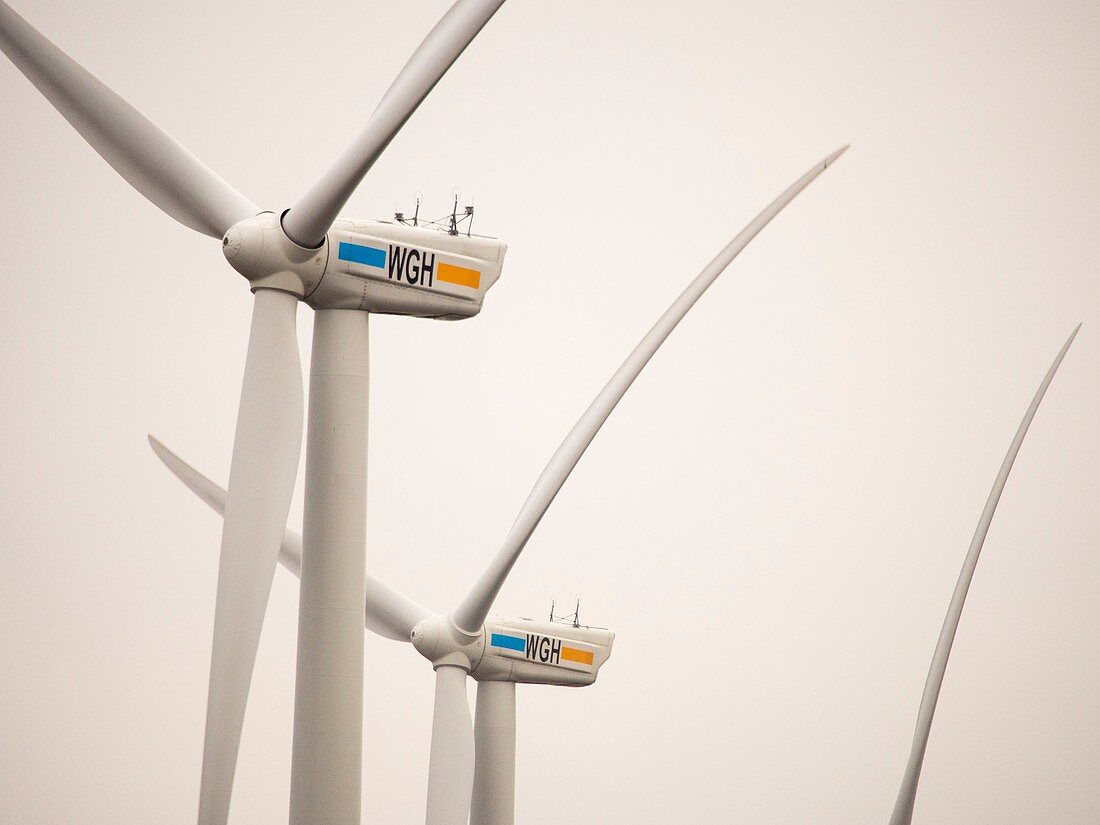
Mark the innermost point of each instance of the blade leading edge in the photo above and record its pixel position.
(907, 794)
(150, 161)
(310, 218)
(266, 449)
(451, 764)
(389, 613)
(471, 613)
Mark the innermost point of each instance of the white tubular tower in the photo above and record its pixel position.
(326, 771)
(494, 800)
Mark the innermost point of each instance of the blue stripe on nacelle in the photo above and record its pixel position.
(511, 642)
(357, 254)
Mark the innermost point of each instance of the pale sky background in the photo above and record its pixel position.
(773, 519)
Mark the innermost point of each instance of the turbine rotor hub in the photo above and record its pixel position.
(260, 250)
(441, 643)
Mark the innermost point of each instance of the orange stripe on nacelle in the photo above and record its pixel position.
(460, 275)
(574, 655)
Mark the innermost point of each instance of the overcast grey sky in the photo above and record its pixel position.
(773, 519)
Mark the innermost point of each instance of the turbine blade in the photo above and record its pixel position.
(391, 614)
(310, 218)
(266, 449)
(149, 160)
(192, 479)
(388, 613)
(471, 613)
(907, 794)
(494, 801)
(451, 765)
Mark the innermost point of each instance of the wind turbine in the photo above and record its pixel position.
(507, 652)
(907, 794)
(344, 269)
(475, 766)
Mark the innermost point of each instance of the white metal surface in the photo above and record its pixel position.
(326, 768)
(494, 798)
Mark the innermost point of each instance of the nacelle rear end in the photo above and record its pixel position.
(542, 653)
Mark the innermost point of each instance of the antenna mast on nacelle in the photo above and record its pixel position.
(573, 618)
(451, 224)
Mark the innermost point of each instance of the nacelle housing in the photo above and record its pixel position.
(390, 268)
(542, 653)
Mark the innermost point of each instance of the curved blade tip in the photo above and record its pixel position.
(832, 158)
(156, 444)
(1068, 343)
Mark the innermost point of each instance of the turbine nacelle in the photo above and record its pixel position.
(521, 651)
(372, 266)
(542, 653)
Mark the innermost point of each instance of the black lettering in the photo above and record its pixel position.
(412, 273)
(397, 260)
(544, 649)
(428, 270)
(555, 651)
(532, 640)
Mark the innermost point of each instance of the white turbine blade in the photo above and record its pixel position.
(389, 613)
(471, 614)
(195, 481)
(451, 765)
(494, 800)
(266, 449)
(149, 160)
(310, 218)
(290, 550)
(903, 807)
